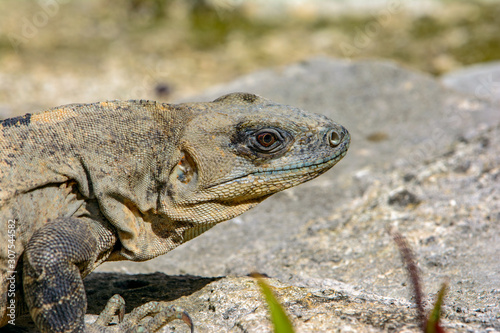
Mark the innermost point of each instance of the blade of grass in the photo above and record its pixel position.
(279, 318)
(411, 267)
(433, 321)
(431, 325)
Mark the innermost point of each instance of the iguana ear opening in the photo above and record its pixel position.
(185, 171)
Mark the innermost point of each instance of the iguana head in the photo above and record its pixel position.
(239, 149)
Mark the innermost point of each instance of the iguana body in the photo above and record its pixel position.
(83, 184)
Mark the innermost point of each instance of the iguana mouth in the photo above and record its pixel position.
(308, 165)
(290, 170)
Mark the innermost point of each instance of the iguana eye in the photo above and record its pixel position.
(266, 139)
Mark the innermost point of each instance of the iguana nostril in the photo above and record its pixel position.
(334, 138)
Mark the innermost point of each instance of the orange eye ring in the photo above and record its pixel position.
(266, 139)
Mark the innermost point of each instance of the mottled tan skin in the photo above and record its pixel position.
(83, 184)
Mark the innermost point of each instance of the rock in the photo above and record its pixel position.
(233, 304)
(402, 197)
(325, 244)
(481, 80)
(334, 228)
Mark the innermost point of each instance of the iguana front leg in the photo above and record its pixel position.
(55, 259)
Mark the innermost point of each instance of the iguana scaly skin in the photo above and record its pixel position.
(83, 184)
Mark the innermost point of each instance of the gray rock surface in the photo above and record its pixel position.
(481, 80)
(424, 159)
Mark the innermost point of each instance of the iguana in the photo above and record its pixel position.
(130, 180)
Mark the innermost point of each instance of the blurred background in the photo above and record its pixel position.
(55, 52)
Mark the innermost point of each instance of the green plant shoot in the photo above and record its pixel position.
(279, 318)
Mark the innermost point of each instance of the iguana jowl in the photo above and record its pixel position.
(83, 184)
